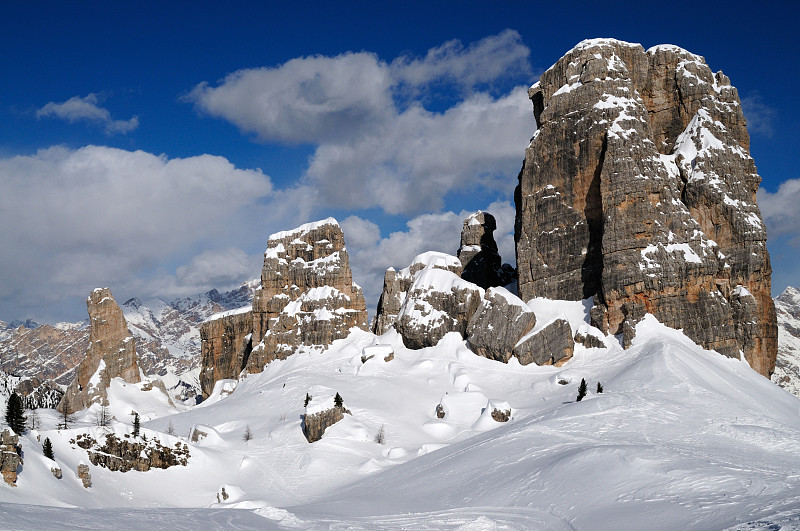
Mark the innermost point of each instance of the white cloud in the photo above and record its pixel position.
(77, 108)
(76, 219)
(412, 163)
(483, 61)
(372, 153)
(780, 211)
(305, 100)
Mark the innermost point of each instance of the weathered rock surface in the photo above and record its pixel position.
(307, 297)
(34, 392)
(438, 302)
(547, 346)
(225, 346)
(10, 456)
(124, 454)
(638, 190)
(498, 324)
(787, 366)
(84, 475)
(315, 424)
(478, 252)
(396, 285)
(111, 353)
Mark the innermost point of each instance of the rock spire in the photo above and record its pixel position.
(638, 190)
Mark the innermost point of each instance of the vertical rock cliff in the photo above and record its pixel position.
(638, 190)
(111, 353)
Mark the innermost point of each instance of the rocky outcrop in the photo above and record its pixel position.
(638, 190)
(787, 366)
(225, 346)
(437, 302)
(111, 353)
(123, 454)
(478, 253)
(84, 475)
(307, 297)
(551, 344)
(498, 324)
(320, 416)
(396, 285)
(10, 456)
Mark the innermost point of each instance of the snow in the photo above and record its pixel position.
(303, 229)
(228, 313)
(681, 438)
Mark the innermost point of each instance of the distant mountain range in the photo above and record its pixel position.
(167, 340)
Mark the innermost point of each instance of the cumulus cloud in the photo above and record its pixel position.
(87, 109)
(371, 254)
(780, 211)
(486, 60)
(76, 219)
(305, 100)
(372, 152)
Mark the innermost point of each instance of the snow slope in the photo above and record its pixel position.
(681, 438)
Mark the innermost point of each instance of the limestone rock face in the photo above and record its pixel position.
(498, 324)
(437, 302)
(315, 424)
(547, 346)
(84, 475)
(638, 190)
(396, 285)
(307, 297)
(111, 353)
(123, 455)
(225, 346)
(10, 456)
(478, 252)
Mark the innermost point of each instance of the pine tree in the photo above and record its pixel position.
(135, 424)
(338, 401)
(308, 399)
(47, 448)
(247, 435)
(581, 390)
(66, 414)
(15, 413)
(599, 388)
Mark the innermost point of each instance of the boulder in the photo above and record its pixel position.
(321, 415)
(638, 190)
(438, 302)
(10, 456)
(396, 285)
(547, 346)
(84, 475)
(498, 324)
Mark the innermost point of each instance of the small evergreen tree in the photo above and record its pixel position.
(599, 388)
(66, 414)
(135, 424)
(47, 448)
(170, 429)
(581, 390)
(15, 413)
(103, 418)
(338, 401)
(247, 435)
(308, 399)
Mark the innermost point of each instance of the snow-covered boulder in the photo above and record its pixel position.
(500, 321)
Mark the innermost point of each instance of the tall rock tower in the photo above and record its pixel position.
(111, 353)
(638, 190)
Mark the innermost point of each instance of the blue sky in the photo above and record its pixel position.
(153, 147)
